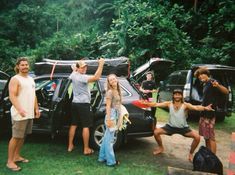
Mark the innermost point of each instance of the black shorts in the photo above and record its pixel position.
(82, 113)
(172, 130)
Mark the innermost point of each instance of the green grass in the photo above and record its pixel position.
(49, 157)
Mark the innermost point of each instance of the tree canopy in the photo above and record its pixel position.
(137, 29)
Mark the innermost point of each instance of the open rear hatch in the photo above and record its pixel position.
(118, 66)
(160, 66)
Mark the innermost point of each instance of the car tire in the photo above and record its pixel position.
(98, 133)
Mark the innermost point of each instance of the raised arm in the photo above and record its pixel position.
(198, 107)
(98, 72)
(221, 88)
(160, 105)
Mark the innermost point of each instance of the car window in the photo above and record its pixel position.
(92, 86)
(182, 78)
(172, 79)
(49, 85)
(124, 91)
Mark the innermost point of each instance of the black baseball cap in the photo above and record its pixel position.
(177, 91)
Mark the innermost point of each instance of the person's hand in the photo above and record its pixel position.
(154, 90)
(22, 112)
(109, 123)
(144, 102)
(209, 108)
(73, 67)
(101, 61)
(215, 83)
(37, 113)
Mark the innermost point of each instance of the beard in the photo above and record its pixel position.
(26, 70)
(178, 99)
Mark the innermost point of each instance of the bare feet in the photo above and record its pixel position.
(190, 157)
(157, 151)
(88, 152)
(70, 148)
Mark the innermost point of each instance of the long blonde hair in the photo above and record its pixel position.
(109, 87)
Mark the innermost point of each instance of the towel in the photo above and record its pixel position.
(123, 118)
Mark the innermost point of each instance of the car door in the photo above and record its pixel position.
(45, 90)
(60, 106)
(5, 103)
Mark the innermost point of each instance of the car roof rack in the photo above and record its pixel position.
(118, 65)
(213, 67)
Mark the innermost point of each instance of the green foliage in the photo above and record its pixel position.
(145, 30)
(137, 29)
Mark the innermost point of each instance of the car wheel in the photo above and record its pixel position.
(98, 134)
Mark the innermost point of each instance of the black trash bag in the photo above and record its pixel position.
(206, 161)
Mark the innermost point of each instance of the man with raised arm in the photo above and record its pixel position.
(177, 123)
(81, 108)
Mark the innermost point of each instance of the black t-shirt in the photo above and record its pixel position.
(211, 95)
(148, 85)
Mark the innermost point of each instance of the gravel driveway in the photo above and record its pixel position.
(177, 148)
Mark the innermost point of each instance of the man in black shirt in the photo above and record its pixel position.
(148, 86)
(212, 92)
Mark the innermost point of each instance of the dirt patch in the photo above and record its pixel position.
(177, 149)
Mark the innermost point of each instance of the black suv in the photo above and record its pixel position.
(192, 87)
(54, 93)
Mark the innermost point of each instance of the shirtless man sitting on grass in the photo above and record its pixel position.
(177, 123)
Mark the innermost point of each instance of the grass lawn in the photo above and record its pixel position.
(49, 157)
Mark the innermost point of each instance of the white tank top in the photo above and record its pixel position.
(26, 98)
(177, 117)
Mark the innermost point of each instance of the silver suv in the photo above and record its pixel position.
(192, 87)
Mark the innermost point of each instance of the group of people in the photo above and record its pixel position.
(178, 110)
(25, 108)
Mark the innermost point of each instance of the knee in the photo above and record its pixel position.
(156, 132)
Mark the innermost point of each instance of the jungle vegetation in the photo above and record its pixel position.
(188, 31)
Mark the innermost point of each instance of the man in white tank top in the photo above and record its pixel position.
(177, 123)
(24, 109)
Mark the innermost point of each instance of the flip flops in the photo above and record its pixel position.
(22, 161)
(17, 168)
